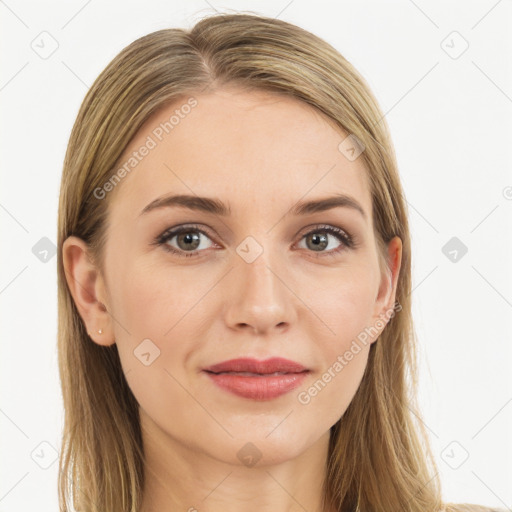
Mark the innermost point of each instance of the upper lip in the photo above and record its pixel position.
(272, 365)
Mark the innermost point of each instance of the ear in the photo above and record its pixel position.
(384, 304)
(86, 285)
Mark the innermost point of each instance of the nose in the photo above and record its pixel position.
(259, 298)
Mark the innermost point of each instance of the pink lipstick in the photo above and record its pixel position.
(257, 380)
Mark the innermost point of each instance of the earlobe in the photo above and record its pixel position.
(86, 286)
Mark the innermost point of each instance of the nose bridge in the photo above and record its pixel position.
(258, 296)
(260, 279)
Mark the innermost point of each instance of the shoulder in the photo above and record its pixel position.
(467, 507)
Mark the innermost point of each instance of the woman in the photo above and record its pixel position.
(234, 284)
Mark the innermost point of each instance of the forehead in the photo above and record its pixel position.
(245, 148)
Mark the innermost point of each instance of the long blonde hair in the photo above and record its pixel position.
(379, 455)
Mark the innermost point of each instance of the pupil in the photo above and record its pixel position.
(319, 241)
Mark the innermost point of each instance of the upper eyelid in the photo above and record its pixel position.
(177, 229)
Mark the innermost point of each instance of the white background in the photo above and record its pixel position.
(450, 120)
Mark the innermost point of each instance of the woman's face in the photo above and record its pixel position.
(264, 279)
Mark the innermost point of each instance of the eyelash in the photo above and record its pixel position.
(347, 241)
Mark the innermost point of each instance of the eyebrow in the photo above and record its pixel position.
(217, 207)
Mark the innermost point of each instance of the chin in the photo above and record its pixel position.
(261, 450)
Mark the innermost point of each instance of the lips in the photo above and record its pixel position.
(275, 365)
(257, 380)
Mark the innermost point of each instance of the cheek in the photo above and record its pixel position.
(344, 302)
(160, 311)
(153, 348)
(151, 301)
(332, 389)
(345, 306)
(344, 347)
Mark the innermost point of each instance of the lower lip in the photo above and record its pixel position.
(258, 388)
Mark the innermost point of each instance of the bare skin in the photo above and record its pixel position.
(260, 154)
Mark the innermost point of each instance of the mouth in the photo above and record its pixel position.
(257, 380)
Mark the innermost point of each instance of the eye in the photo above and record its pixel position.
(318, 239)
(188, 240)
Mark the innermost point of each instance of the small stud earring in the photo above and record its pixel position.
(100, 331)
